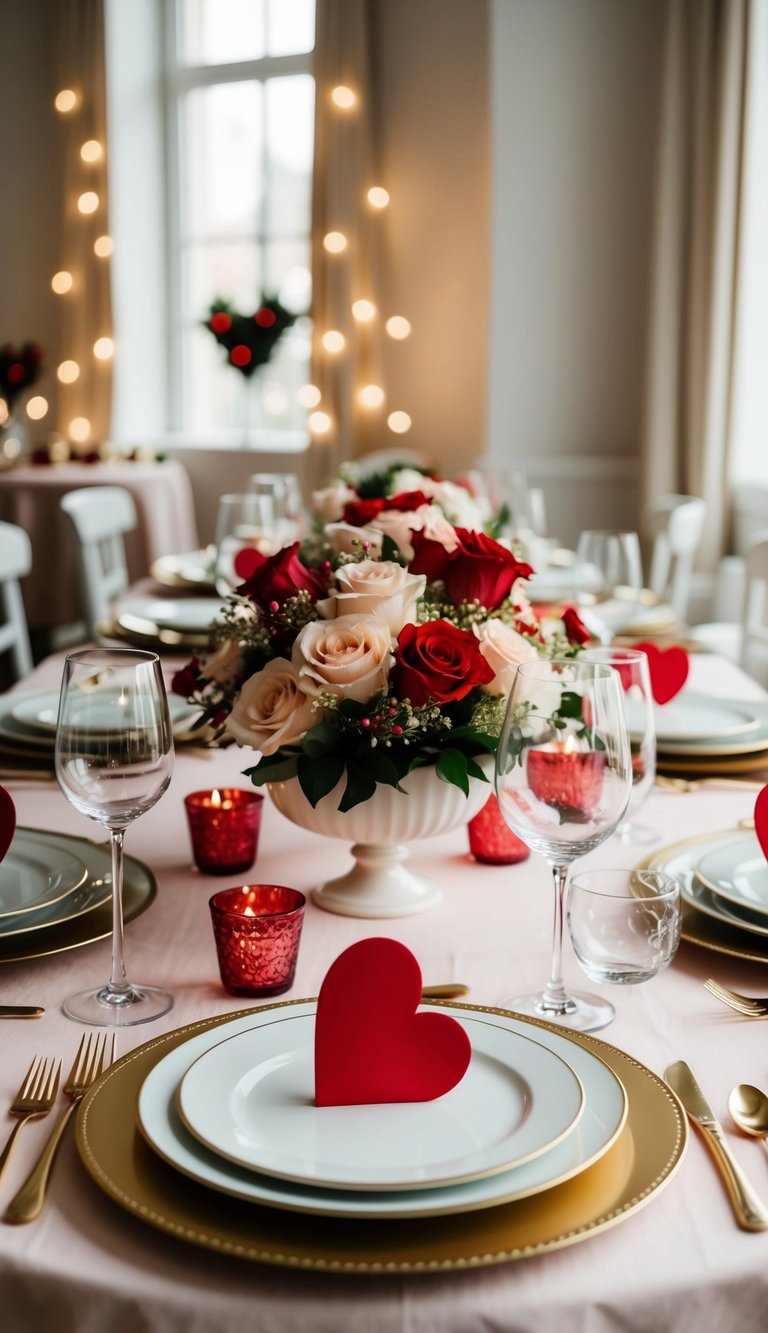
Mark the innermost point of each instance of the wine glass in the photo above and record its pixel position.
(243, 520)
(608, 580)
(632, 666)
(114, 757)
(284, 495)
(563, 780)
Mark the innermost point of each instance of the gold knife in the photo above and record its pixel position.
(751, 1213)
(21, 1011)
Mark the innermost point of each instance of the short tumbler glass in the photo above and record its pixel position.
(624, 924)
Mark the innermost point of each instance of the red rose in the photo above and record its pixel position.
(361, 512)
(187, 679)
(429, 557)
(481, 570)
(574, 626)
(276, 577)
(438, 662)
(407, 501)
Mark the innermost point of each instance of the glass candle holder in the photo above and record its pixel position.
(224, 828)
(491, 840)
(257, 928)
(570, 780)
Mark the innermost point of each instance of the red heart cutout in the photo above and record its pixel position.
(370, 1044)
(7, 821)
(668, 669)
(761, 819)
(247, 561)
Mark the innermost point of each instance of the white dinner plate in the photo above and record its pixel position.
(251, 1099)
(91, 892)
(193, 569)
(737, 872)
(697, 717)
(36, 713)
(599, 1126)
(702, 898)
(34, 875)
(183, 615)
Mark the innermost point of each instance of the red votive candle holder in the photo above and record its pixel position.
(224, 827)
(571, 780)
(257, 928)
(491, 840)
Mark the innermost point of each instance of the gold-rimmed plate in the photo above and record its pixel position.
(635, 1168)
(191, 570)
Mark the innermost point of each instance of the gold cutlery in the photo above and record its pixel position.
(749, 1110)
(751, 1214)
(693, 784)
(34, 1098)
(91, 1059)
(21, 1011)
(449, 990)
(750, 1006)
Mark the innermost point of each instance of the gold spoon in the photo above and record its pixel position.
(749, 1110)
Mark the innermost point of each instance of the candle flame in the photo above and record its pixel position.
(216, 797)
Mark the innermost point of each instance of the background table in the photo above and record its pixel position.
(679, 1264)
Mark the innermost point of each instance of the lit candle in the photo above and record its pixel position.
(257, 928)
(569, 779)
(224, 828)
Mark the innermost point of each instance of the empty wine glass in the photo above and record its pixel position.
(608, 580)
(243, 520)
(284, 495)
(563, 779)
(632, 666)
(114, 757)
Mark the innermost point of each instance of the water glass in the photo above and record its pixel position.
(244, 521)
(624, 924)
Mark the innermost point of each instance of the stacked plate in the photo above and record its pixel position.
(723, 878)
(699, 734)
(166, 622)
(192, 570)
(545, 1136)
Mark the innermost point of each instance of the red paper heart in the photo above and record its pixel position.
(370, 1044)
(761, 819)
(7, 821)
(668, 669)
(247, 562)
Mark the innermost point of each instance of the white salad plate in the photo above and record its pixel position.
(697, 717)
(184, 615)
(194, 568)
(598, 1127)
(251, 1099)
(38, 712)
(737, 872)
(35, 875)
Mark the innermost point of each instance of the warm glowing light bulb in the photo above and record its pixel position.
(65, 100)
(335, 242)
(79, 429)
(103, 246)
(309, 395)
(61, 282)
(319, 423)
(343, 97)
(371, 395)
(91, 151)
(37, 407)
(378, 197)
(88, 202)
(363, 311)
(398, 327)
(399, 422)
(333, 341)
(4, 412)
(103, 349)
(68, 372)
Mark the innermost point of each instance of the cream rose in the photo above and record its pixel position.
(399, 524)
(350, 657)
(271, 710)
(376, 588)
(344, 539)
(329, 502)
(503, 649)
(225, 663)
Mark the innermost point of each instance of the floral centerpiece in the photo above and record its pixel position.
(386, 644)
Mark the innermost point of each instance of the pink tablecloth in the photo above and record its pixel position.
(30, 496)
(678, 1264)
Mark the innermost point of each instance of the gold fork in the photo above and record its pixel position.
(35, 1098)
(750, 1006)
(91, 1059)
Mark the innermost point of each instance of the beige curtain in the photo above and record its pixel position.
(344, 169)
(686, 434)
(85, 311)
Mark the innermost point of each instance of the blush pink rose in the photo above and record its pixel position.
(271, 709)
(350, 656)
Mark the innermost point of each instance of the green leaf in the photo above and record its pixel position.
(570, 704)
(317, 777)
(277, 767)
(390, 550)
(452, 767)
(382, 769)
(320, 739)
(475, 771)
(352, 708)
(360, 787)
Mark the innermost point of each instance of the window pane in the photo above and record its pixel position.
(214, 32)
(289, 121)
(290, 27)
(221, 185)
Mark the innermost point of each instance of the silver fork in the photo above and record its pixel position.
(750, 1006)
(35, 1098)
(90, 1061)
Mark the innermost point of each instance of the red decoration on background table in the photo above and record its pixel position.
(371, 1045)
(7, 821)
(571, 780)
(224, 827)
(491, 840)
(761, 819)
(668, 669)
(257, 928)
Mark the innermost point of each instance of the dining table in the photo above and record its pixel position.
(674, 1260)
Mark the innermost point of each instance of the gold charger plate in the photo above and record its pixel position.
(709, 767)
(720, 937)
(168, 569)
(623, 1180)
(139, 891)
(155, 641)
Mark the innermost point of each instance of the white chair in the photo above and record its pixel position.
(676, 524)
(100, 517)
(15, 562)
(745, 640)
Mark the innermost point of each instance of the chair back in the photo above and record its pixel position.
(100, 517)
(754, 624)
(15, 562)
(676, 524)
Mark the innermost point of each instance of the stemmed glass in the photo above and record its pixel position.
(632, 666)
(114, 757)
(243, 520)
(608, 580)
(563, 780)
